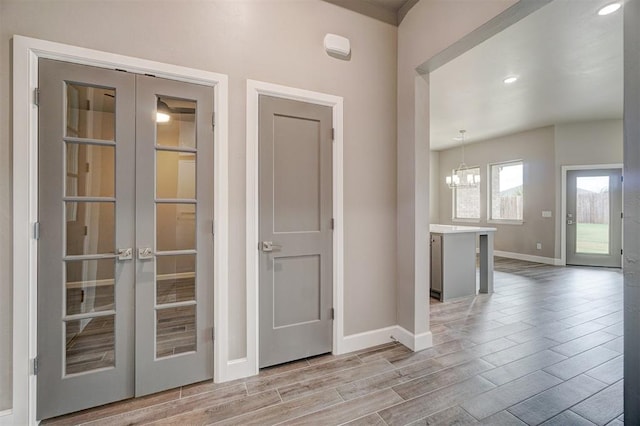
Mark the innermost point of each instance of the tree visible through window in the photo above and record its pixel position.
(467, 198)
(506, 191)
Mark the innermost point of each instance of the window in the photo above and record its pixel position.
(466, 199)
(506, 199)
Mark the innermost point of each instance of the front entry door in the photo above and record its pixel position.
(125, 245)
(295, 230)
(594, 217)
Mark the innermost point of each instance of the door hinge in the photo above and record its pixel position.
(36, 231)
(621, 178)
(333, 134)
(34, 366)
(333, 313)
(36, 96)
(333, 224)
(213, 119)
(213, 333)
(621, 215)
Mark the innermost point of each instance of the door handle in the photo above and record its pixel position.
(145, 253)
(569, 222)
(124, 254)
(268, 246)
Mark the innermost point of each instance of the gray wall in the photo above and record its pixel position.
(429, 27)
(536, 149)
(5, 229)
(596, 142)
(544, 152)
(434, 188)
(631, 193)
(274, 41)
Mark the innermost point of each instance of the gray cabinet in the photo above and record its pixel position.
(453, 265)
(436, 265)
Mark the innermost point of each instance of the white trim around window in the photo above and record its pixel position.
(489, 179)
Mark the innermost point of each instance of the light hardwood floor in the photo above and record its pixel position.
(545, 348)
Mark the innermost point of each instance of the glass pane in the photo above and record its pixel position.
(592, 215)
(175, 226)
(90, 344)
(89, 285)
(176, 175)
(90, 170)
(175, 330)
(506, 191)
(90, 228)
(468, 197)
(296, 174)
(175, 278)
(176, 122)
(90, 112)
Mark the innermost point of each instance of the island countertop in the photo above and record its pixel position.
(455, 229)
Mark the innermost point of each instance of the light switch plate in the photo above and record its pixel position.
(546, 213)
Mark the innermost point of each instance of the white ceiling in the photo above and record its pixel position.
(569, 63)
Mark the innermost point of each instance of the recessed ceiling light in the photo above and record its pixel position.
(609, 9)
(510, 79)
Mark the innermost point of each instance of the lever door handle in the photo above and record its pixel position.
(268, 246)
(145, 253)
(124, 254)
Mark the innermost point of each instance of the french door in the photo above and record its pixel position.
(594, 217)
(125, 248)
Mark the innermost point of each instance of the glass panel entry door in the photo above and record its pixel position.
(594, 217)
(124, 294)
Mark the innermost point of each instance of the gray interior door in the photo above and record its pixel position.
(295, 230)
(125, 238)
(85, 289)
(594, 217)
(174, 238)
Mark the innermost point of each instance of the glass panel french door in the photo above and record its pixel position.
(594, 217)
(85, 289)
(125, 251)
(174, 222)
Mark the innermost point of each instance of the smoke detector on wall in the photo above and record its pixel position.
(337, 46)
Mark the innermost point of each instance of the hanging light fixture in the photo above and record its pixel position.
(462, 176)
(163, 113)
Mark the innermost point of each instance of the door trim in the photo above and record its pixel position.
(26, 52)
(249, 366)
(563, 202)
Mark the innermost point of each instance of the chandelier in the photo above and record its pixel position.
(462, 176)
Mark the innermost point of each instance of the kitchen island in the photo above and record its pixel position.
(453, 260)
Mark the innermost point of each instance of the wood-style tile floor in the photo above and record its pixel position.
(545, 348)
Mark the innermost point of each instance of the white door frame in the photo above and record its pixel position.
(249, 365)
(26, 52)
(563, 206)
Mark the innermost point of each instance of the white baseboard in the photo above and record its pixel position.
(241, 367)
(415, 342)
(529, 258)
(367, 339)
(356, 342)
